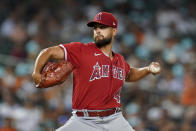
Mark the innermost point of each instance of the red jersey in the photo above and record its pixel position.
(97, 80)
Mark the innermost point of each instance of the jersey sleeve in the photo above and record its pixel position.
(127, 68)
(72, 52)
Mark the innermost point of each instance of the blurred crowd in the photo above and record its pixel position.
(149, 30)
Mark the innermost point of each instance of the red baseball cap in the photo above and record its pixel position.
(104, 18)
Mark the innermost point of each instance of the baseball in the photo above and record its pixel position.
(154, 69)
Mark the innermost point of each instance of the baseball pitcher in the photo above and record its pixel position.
(98, 77)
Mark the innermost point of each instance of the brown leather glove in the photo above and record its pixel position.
(55, 73)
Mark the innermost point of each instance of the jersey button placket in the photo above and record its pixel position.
(111, 72)
(111, 68)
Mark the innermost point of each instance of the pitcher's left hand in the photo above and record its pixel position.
(154, 68)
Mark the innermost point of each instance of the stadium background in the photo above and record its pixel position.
(149, 30)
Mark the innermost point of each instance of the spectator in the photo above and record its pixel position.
(8, 125)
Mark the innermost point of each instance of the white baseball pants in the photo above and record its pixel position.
(114, 122)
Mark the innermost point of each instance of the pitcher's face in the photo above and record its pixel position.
(102, 35)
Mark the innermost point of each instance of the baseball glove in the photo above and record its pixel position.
(55, 73)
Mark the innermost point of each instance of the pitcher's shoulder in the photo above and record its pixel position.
(89, 45)
(120, 56)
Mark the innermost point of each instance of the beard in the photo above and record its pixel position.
(102, 42)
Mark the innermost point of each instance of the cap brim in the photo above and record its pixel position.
(92, 23)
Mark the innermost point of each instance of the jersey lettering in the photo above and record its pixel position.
(114, 69)
(103, 71)
(120, 74)
(96, 72)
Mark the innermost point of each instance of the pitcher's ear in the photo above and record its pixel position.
(115, 31)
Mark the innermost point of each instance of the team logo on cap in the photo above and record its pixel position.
(114, 23)
(99, 16)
